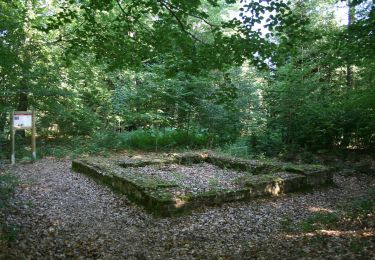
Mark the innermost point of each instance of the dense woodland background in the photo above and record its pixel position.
(248, 77)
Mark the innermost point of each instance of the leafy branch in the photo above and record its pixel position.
(181, 24)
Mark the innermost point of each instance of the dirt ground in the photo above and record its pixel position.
(60, 214)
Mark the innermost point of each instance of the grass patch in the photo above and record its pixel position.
(356, 245)
(8, 182)
(363, 206)
(319, 221)
(286, 223)
(357, 210)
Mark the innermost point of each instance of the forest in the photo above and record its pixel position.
(258, 77)
(150, 114)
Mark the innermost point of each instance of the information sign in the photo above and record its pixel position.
(22, 121)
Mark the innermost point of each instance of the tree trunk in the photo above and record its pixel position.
(23, 102)
(349, 68)
(3, 118)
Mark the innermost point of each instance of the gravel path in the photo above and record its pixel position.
(67, 215)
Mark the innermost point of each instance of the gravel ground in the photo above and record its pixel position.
(62, 214)
(194, 178)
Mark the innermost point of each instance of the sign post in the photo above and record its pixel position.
(12, 137)
(21, 120)
(33, 136)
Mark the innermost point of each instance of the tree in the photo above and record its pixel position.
(305, 98)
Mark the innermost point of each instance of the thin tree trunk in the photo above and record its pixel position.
(349, 68)
(3, 118)
(23, 95)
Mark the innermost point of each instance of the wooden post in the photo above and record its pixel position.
(33, 136)
(12, 137)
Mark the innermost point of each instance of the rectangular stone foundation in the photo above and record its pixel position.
(159, 196)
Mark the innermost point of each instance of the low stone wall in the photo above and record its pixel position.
(315, 174)
(152, 198)
(158, 196)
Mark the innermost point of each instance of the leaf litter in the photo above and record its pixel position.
(61, 214)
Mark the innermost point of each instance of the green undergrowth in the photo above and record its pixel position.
(106, 142)
(356, 216)
(8, 183)
(363, 207)
(151, 140)
(319, 220)
(358, 210)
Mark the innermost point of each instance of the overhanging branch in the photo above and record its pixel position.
(180, 23)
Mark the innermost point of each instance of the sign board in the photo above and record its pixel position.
(22, 120)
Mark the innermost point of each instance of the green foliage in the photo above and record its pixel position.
(104, 142)
(362, 206)
(356, 210)
(319, 220)
(8, 183)
(238, 149)
(357, 244)
(90, 67)
(152, 139)
(213, 183)
(286, 223)
(8, 232)
(312, 100)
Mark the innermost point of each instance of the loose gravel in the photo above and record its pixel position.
(200, 177)
(62, 214)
